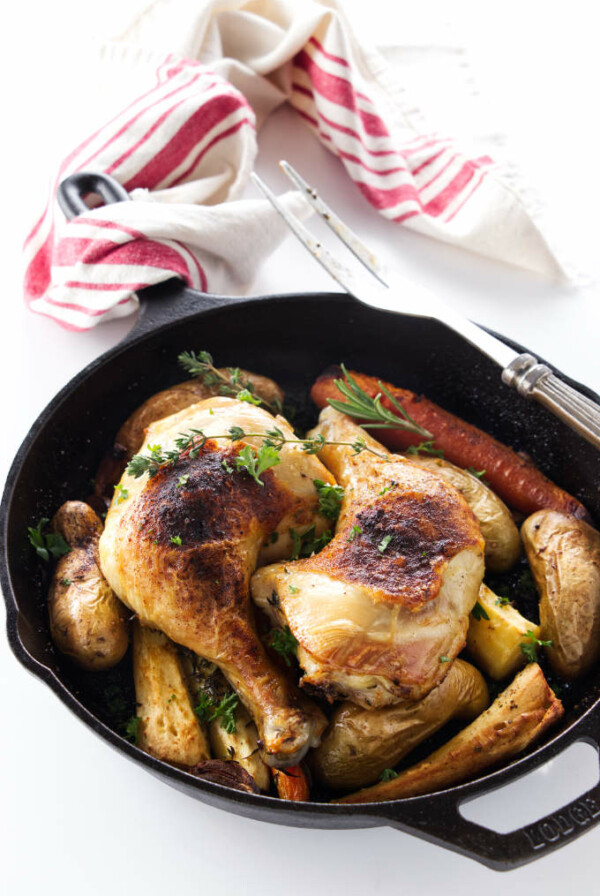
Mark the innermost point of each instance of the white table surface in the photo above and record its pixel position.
(78, 818)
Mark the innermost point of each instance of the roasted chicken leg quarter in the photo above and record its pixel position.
(179, 549)
(382, 610)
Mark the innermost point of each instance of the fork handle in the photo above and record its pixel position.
(534, 380)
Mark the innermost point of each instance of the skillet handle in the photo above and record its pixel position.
(72, 189)
(160, 304)
(442, 822)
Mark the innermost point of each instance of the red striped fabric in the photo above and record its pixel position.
(192, 124)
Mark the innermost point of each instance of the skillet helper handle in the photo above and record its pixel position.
(442, 822)
(72, 189)
(534, 380)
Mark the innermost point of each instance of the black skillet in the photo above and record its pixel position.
(291, 338)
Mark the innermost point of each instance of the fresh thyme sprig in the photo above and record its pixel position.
(253, 460)
(370, 411)
(201, 365)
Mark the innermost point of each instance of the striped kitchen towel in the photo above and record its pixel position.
(185, 148)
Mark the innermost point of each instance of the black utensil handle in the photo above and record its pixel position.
(160, 304)
(448, 827)
(75, 187)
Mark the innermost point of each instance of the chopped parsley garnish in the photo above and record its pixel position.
(183, 480)
(309, 543)
(294, 590)
(478, 473)
(330, 498)
(65, 582)
(284, 643)
(388, 774)
(383, 544)
(121, 493)
(132, 729)
(478, 612)
(502, 600)
(444, 659)
(354, 531)
(532, 645)
(176, 539)
(208, 710)
(46, 545)
(256, 460)
(388, 488)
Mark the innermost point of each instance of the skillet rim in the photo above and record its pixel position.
(151, 323)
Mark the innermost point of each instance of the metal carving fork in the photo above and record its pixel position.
(389, 291)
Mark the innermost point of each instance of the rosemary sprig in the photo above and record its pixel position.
(370, 411)
(201, 365)
(253, 460)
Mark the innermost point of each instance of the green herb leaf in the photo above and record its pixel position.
(388, 774)
(183, 480)
(354, 531)
(309, 543)
(45, 545)
(176, 539)
(132, 729)
(208, 710)
(200, 364)
(294, 590)
(532, 645)
(383, 544)
(246, 395)
(284, 643)
(330, 498)
(121, 493)
(370, 411)
(256, 461)
(425, 448)
(444, 659)
(478, 473)
(478, 612)
(65, 582)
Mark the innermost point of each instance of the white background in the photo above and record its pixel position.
(76, 816)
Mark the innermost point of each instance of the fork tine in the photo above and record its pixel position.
(333, 267)
(335, 223)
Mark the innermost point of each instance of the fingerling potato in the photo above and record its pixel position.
(360, 743)
(88, 623)
(515, 719)
(564, 555)
(501, 536)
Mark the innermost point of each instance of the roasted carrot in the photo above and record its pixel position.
(515, 479)
(292, 783)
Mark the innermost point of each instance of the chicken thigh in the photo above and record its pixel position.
(179, 549)
(380, 612)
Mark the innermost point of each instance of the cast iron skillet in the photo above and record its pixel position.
(291, 338)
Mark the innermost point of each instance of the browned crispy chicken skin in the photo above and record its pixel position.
(180, 550)
(382, 609)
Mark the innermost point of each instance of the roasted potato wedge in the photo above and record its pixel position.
(495, 643)
(87, 621)
(564, 555)
(240, 745)
(514, 720)
(359, 743)
(169, 728)
(501, 536)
